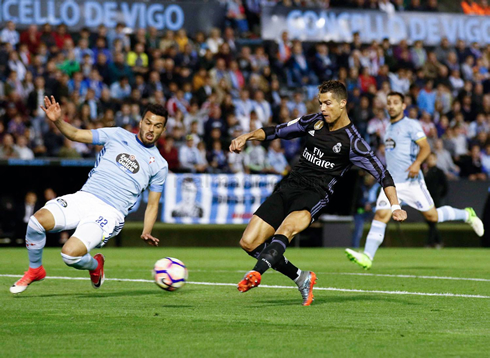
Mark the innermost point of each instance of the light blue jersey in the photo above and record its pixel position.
(401, 147)
(124, 168)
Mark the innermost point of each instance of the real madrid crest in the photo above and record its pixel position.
(318, 125)
(337, 148)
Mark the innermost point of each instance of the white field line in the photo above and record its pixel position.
(271, 286)
(368, 274)
(332, 273)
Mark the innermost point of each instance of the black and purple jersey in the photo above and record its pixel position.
(328, 155)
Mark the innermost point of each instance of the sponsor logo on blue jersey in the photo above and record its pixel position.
(390, 144)
(128, 162)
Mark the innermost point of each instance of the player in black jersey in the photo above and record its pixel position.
(333, 146)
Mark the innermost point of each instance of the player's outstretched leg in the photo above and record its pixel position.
(475, 222)
(284, 266)
(35, 241)
(97, 276)
(74, 254)
(308, 280)
(359, 258)
(373, 240)
(269, 257)
(468, 215)
(250, 280)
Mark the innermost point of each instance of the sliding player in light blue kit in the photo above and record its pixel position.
(126, 166)
(406, 149)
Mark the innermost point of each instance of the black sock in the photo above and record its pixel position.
(255, 253)
(272, 254)
(285, 267)
(434, 237)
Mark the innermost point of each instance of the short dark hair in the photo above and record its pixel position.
(393, 93)
(157, 109)
(336, 87)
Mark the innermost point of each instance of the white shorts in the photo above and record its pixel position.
(95, 221)
(413, 193)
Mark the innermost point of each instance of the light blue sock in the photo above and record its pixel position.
(374, 238)
(35, 242)
(448, 213)
(85, 262)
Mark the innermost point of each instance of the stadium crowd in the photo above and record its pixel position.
(220, 84)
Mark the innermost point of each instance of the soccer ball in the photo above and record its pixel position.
(170, 274)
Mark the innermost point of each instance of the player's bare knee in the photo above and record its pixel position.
(74, 247)
(247, 243)
(383, 216)
(431, 217)
(69, 250)
(45, 218)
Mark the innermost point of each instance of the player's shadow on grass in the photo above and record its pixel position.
(321, 300)
(122, 293)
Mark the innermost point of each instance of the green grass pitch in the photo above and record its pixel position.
(68, 318)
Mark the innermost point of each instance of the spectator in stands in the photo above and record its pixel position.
(121, 89)
(322, 63)
(9, 34)
(243, 107)
(471, 166)
(478, 126)
(119, 34)
(297, 104)
(190, 158)
(25, 153)
(217, 158)
(485, 160)
(214, 41)
(414, 6)
(418, 54)
(445, 161)
(235, 16)
(276, 159)
(61, 35)
(365, 202)
(399, 82)
(255, 160)
(299, 73)
(170, 153)
(31, 37)
(284, 48)
(427, 98)
(138, 59)
(8, 149)
(438, 187)
(386, 6)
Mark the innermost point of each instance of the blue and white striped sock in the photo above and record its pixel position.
(448, 213)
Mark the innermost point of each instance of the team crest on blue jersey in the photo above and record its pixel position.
(128, 163)
(337, 147)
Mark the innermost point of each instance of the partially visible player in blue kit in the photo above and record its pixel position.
(406, 150)
(126, 166)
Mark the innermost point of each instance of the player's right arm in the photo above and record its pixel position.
(289, 130)
(53, 112)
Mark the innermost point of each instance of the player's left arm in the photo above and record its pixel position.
(424, 151)
(151, 213)
(362, 156)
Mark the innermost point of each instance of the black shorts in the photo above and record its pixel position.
(291, 197)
